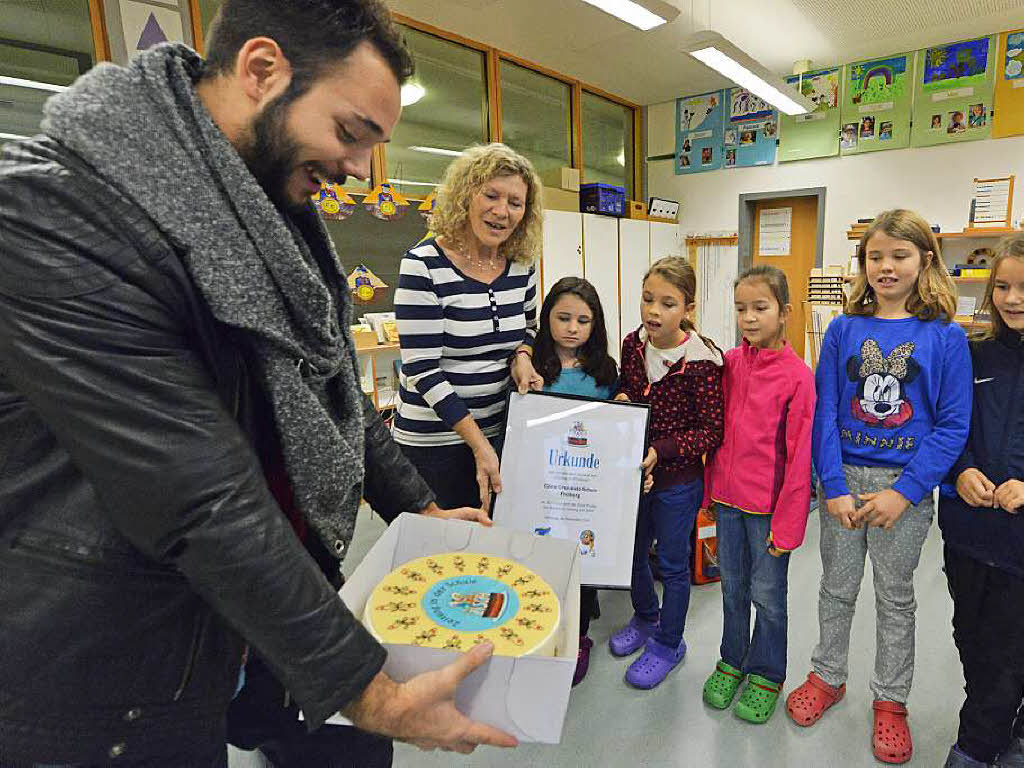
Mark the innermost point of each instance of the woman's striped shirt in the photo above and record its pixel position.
(457, 335)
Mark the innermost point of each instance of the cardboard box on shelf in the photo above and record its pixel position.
(564, 178)
(526, 696)
(636, 210)
(560, 200)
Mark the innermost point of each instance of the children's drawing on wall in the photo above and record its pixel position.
(822, 89)
(867, 127)
(957, 65)
(936, 122)
(976, 116)
(885, 131)
(1013, 66)
(684, 161)
(748, 137)
(697, 111)
(769, 129)
(730, 158)
(848, 139)
(707, 156)
(956, 122)
(730, 138)
(878, 81)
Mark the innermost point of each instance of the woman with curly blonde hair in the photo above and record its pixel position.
(466, 303)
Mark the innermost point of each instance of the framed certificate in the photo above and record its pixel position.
(570, 468)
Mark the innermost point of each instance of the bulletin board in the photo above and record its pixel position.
(953, 92)
(1009, 90)
(751, 132)
(700, 133)
(877, 105)
(815, 134)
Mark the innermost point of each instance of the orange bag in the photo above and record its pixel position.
(705, 550)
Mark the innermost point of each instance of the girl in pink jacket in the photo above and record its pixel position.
(759, 485)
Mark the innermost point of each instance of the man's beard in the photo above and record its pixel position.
(272, 155)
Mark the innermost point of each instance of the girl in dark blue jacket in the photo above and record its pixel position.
(983, 529)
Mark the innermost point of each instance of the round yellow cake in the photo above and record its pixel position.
(459, 599)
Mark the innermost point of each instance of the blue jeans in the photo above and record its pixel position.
(751, 574)
(667, 515)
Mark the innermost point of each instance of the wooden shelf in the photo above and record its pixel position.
(970, 279)
(978, 233)
(974, 324)
(376, 348)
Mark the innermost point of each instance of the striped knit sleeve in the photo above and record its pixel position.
(530, 306)
(420, 320)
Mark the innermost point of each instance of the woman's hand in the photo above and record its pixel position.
(842, 509)
(1010, 496)
(524, 375)
(487, 477)
(472, 514)
(882, 509)
(976, 489)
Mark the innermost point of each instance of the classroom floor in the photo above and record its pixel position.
(611, 724)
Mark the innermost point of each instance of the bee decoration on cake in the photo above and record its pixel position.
(433, 566)
(393, 607)
(412, 575)
(537, 608)
(404, 622)
(523, 580)
(483, 565)
(459, 563)
(505, 570)
(453, 643)
(527, 623)
(534, 593)
(425, 637)
(400, 589)
(511, 636)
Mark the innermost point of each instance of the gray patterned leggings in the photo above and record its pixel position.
(894, 557)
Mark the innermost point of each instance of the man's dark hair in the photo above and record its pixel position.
(313, 34)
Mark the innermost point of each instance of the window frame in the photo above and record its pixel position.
(492, 63)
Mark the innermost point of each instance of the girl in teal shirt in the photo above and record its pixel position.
(571, 354)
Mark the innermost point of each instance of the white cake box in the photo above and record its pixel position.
(526, 696)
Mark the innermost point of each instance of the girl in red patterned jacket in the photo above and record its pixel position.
(667, 364)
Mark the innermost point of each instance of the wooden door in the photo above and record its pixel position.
(601, 268)
(634, 261)
(796, 256)
(563, 249)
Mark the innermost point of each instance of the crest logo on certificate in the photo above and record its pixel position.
(570, 468)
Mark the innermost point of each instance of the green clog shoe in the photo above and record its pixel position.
(721, 687)
(758, 700)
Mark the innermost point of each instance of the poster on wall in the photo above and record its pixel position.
(877, 105)
(751, 134)
(700, 133)
(145, 25)
(1009, 91)
(953, 93)
(815, 134)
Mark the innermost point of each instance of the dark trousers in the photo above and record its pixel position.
(668, 516)
(263, 717)
(988, 628)
(588, 608)
(450, 471)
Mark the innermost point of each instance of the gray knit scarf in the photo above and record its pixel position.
(144, 129)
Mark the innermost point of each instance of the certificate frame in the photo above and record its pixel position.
(570, 466)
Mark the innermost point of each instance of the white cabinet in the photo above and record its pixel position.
(563, 248)
(601, 268)
(664, 240)
(634, 259)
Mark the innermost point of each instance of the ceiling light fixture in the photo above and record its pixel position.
(22, 83)
(714, 51)
(437, 151)
(621, 158)
(642, 14)
(13, 136)
(411, 93)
